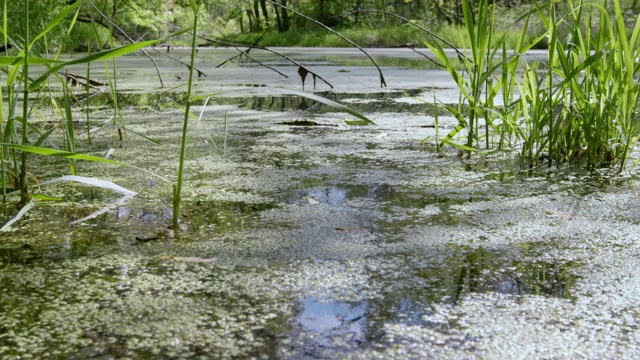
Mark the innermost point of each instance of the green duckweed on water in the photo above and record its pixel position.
(320, 242)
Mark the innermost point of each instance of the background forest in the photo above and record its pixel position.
(367, 22)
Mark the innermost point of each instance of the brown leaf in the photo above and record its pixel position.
(303, 74)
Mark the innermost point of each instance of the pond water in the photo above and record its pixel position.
(306, 238)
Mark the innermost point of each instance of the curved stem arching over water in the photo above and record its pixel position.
(383, 83)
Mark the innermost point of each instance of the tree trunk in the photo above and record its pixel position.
(356, 10)
(256, 12)
(321, 15)
(265, 14)
(250, 15)
(276, 8)
(285, 16)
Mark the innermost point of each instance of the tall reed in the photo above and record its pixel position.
(487, 70)
(580, 104)
(177, 189)
(25, 195)
(585, 110)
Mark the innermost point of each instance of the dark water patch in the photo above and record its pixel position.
(30, 247)
(367, 162)
(149, 226)
(124, 229)
(434, 196)
(21, 254)
(384, 194)
(303, 123)
(412, 284)
(447, 275)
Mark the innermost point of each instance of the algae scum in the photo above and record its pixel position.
(319, 241)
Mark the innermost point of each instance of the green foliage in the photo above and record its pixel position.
(578, 105)
(586, 108)
(40, 13)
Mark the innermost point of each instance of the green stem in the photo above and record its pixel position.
(88, 94)
(2, 147)
(178, 188)
(24, 189)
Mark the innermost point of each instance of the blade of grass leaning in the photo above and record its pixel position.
(578, 69)
(97, 183)
(103, 55)
(356, 122)
(2, 148)
(157, 142)
(462, 124)
(95, 214)
(19, 216)
(44, 197)
(93, 182)
(69, 128)
(43, 136)
(77, 156)
(331, 103)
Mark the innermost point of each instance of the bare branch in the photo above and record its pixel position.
(383, 83)
(246, 53)
(255, 46)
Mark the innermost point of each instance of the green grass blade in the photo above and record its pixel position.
(157, 142)
(103, 55)
(462, 124)
(578, 69)
(64, 154)
(76, 156)
(470, 24)
(21, 213)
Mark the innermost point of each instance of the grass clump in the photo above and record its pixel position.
(585, 108)
(578, 105)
